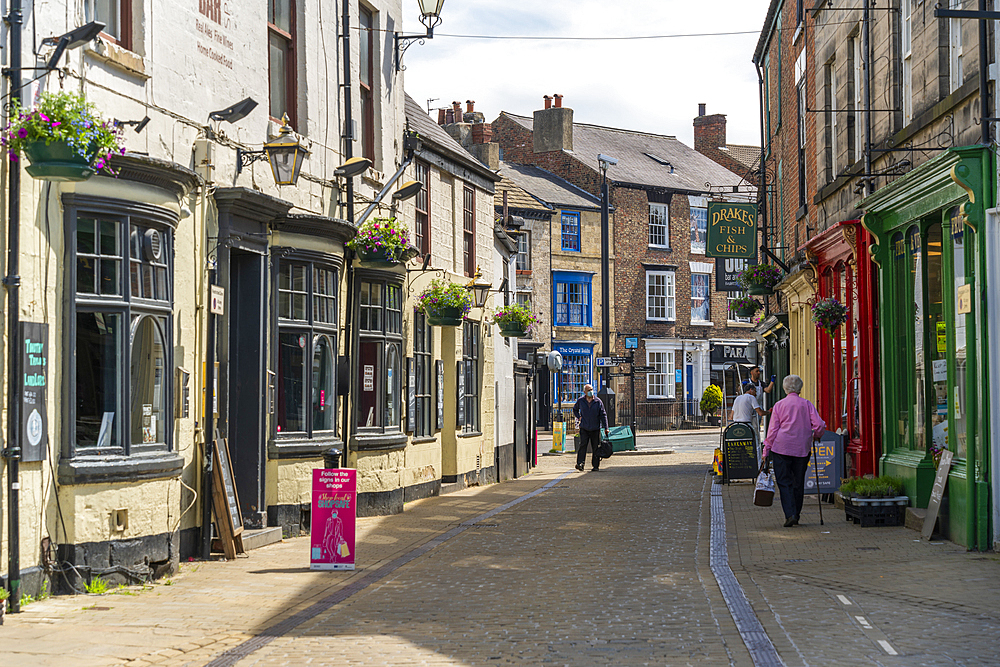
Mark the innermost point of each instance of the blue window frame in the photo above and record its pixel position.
(571, 296)
(571, 231)
(576, 372)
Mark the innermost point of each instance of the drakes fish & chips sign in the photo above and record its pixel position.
(732, 230)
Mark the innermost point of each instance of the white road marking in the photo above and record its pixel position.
(864, 622)
(887, 647)
(843, 600)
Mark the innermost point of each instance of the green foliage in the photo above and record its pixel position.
(4, 594)
(762, 275)
(711, 399)
(515, 316)
(829, 314)
(746, 303)
(444, 294)
(880, 487)
(97, 586)
(64, 117)
(381, 235)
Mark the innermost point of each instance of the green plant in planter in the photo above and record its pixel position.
(380, 239)
(880, 487)
(515, 320)
(64, 138)
(445, 303)
(746, 306)
(829, 314)
(711, 399)
(759, 278)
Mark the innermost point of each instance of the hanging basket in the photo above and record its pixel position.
(445, 316)
(745, 312)
(57, 161)
(514, 331)
(760, 290)
(376, 257)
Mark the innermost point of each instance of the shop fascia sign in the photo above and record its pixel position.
(732, 230)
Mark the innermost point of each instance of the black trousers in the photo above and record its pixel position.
(790, 476)
(593, 438)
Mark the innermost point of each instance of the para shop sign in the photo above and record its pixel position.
(333, 519)
(732, 230)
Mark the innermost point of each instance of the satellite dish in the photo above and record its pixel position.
(554, 361)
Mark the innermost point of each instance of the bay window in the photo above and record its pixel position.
(380, 329)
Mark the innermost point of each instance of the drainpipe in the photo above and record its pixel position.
(762, 192)
(12, 282)
(209, 432)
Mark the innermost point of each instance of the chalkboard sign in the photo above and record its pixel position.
(34, 381)
(226, 502)
(439, 367)
(830, 457)
(739, 452)
(937, 494)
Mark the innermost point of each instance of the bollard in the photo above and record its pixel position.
(331, 457)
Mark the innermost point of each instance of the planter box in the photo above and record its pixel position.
(513, 333)
(876, 511)
(760, 290)
(376, 257)
(445, 317)
(57, 161)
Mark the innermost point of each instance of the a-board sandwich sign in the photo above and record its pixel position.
(739, 452)
(732, 230)
(334, 514)
(829, 456)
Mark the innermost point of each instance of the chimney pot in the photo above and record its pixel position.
(701, 109)
(470, 106)
(442, 116)
(457, 110)
(449, 116)
(558, 99)
(548, 102)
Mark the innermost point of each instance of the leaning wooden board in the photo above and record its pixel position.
(937, 493)
(225, 502)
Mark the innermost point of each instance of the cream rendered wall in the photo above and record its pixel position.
(504, 353)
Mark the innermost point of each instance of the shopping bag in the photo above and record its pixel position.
(763, 493)
(343, 550)
(606, 449)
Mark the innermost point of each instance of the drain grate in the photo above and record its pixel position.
(486, 525)
(868, 549)
(798, 560)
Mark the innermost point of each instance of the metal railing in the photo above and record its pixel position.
(659, 416)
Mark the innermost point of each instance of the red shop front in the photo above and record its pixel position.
(847, 375)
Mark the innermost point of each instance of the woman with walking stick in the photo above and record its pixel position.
(793, 426)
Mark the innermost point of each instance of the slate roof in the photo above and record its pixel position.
(547, 187)
(745, 155)
(641, 156)
(440, 141)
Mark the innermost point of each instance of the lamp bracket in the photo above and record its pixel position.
(245, 158)
(429, 20)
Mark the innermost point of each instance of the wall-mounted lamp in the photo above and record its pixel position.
(71, 40)
(480, 291)
(407, 191)
(236, 112)
(430, 16)
(353, 167)
(285, 154)
(139, 125)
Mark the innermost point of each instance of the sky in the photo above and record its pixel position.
(649, 85)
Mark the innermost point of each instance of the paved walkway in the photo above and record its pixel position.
(608, 568)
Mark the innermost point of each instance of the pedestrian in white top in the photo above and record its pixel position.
(746, 407)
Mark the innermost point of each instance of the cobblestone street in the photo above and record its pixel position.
(609, 568)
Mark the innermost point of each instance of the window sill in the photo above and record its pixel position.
(469, 434)
(119, 469)
(657, 320)
(423, 440)
(122, 59)
(524, 272)
(664, 248)
(292, 447)
(798, 33)
(703, 324)
(739, 325)
(379, 441)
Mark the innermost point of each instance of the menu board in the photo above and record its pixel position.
(226, 503)
(739, 452)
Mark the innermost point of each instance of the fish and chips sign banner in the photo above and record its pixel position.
(732, 230)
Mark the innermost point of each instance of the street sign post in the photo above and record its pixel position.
(603, 362)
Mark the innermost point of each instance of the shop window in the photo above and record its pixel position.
(281, 59)
(379, 358)
(916, 279)
(660, 301)
(958, 429)
(570, 231)
(307, 349)
(903, 394)
(471, 372)
(423, 363)
(576, 372)
(937, 351)
(659, 225)
(572, 295)
(120, 367)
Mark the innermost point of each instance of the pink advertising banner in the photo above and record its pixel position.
(334, 509)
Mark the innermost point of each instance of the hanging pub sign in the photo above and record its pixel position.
(726, 270)
(34, 381)
(732, 230)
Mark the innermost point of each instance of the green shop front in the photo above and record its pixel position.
(926, 228)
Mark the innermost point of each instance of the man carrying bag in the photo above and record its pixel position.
(591, 416)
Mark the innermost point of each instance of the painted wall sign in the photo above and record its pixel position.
(216, 28)
(333, 519)
(830, 457)
(574, 349)
(726, 270)
(34, 383)
(732, 230)
(739, 452)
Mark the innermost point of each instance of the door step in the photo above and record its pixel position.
(255, 539)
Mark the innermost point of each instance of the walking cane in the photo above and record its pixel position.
(819, 498)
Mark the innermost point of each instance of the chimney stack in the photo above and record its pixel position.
(442, 116)
(709, 131)
(553, 127)
(456, 108)
(701, 109)
(469, 106)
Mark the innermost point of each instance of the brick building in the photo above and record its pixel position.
(664, 287)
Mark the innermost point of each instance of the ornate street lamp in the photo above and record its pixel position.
(480, 291)
(285, 153)
(430, 16)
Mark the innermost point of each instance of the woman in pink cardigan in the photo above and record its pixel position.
(793, 426)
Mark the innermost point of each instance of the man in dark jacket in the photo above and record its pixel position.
(591, 416)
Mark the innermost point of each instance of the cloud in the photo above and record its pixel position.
(651, 85)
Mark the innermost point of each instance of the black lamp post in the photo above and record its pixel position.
(606, 393)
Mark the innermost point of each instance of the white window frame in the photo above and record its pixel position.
(669, 305)
(699, 204)
(859, 105)
(906, 11)
(955, 49)
(708, 298)
(664, 361)
(833, 119)
(730, 317)
(659, 217)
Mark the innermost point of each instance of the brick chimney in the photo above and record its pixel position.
(709, 131)
(473, 132)
(553, 127)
